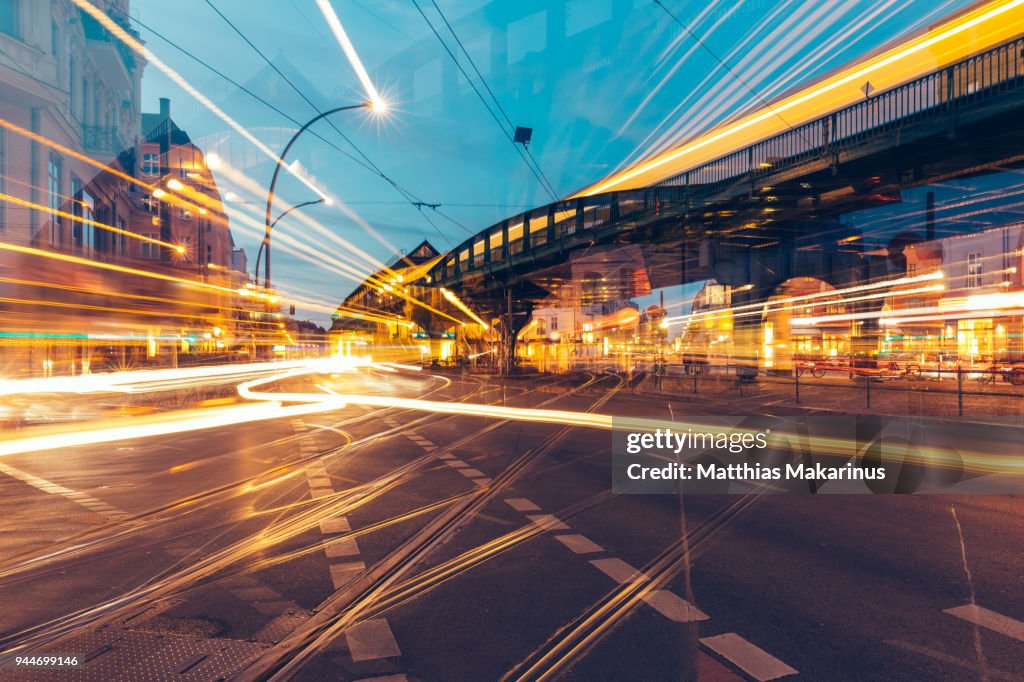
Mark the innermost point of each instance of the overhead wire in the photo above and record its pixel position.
(494, 97)
(367, 164)
(483, 100)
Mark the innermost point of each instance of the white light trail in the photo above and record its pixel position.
(122, 35)
(350, 51)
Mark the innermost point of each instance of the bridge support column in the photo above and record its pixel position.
(515, 315)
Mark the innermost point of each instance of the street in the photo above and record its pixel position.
(365, 543)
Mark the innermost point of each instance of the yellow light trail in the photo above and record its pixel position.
(87, 221)
(350, 51)
(807, 297)
(455, 301)
(989, 25)
(269, 407)
(136, 46)
(35, 137)
(66, 258)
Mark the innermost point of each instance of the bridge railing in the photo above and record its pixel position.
(953, 88)
(942, 93)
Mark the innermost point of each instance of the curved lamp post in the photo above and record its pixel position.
(277, 169)
(266, 241)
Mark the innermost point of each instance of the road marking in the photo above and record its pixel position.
(389, 678)
(341, 574)
(342, 548)
(752, 660)
(991, 620)
(318, 493)
(674, 607)
(618, 570)
(320, 482)
(371, 640)
(483, 480)
(547, 521)
(472, 473)
(458, 464)
(579, 544)
(521, 504)
(338, 525)
(82, 499)
(447, 455)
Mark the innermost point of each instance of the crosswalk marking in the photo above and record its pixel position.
(82, 499)
(341, 574)
(547, 521)
(371, 640)
(342, 548)
(618, 570)
(990, 620)
(673, 607)
(337, 525)
(579, 544)
(752, 660)
(521, 504)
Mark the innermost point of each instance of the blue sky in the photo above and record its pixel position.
(601, 82)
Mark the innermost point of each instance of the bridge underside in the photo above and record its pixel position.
(761, 230)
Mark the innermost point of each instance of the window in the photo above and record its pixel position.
(152, 205)
(76, 210)
(911, 269)
(54, 38)
(973, 270)
(185, 214)
(55, 168)
(120, 240)
(150, 164)
(10, 17)
(149, 249)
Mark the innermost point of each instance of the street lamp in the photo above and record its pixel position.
(266, 242)
(277, 169)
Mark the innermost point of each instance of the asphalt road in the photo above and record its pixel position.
(390, 544)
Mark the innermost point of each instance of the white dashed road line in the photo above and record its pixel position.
(371, 640)
(521, 504)
(548, 521)
(990, 620)
(618, 570)
(82, 499)
(673, 607)
(579, 544)
(752, 660)
(757, 663)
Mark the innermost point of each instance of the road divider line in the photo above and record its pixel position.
(618, 570)
(673, 607)
(579, 544)
(547, 521)
(371, 640)
(989, 620)
(521, 504)
(342, 574)
(81, 499)
(751, 659)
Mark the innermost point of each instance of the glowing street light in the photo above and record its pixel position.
(268, 226)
